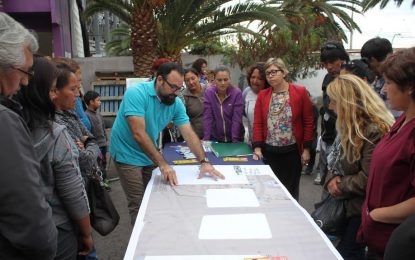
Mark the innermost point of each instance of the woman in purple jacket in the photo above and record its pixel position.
(223, 110)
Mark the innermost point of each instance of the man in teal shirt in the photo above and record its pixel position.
(145, 111)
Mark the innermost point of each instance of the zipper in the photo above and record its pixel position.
(223, 118)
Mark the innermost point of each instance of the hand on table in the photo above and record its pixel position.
(208, 169)
(169, 174)
(257, 155)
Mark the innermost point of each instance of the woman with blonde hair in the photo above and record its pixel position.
(362, 120)
(283, 126)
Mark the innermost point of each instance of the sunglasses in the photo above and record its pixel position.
(173, 87)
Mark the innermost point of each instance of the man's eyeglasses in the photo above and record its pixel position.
(272, 73)
(29, 73)
(173, 86)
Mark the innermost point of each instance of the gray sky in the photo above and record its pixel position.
(394, 23)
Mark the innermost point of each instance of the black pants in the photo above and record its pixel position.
(348, 247)
(287, 167)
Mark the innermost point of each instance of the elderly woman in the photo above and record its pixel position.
(257, 82)
(223, 110)
(60, 174)
(362, 119)
(390, 192)
(27, 230)
(193, 97)
(283, 126)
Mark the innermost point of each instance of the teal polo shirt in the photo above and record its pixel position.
(141, 100)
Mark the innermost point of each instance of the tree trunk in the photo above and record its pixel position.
(143, 41)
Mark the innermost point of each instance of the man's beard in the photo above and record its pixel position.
(168, 99)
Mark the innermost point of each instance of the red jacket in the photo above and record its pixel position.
(302, 116)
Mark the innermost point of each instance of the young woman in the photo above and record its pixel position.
(193, 97)
(60, 174)
(362, 119)
(283, 126)
(223, 110)
(390, 194)
(67, 92)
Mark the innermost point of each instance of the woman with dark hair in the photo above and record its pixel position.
(193, 97)
(257, 82)
(67, 92)
(200, 65)
(390, 191)
(57, 153)
(223, 110)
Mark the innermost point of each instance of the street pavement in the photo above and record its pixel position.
(114, 245)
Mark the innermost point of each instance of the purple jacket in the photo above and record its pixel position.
(223, 122)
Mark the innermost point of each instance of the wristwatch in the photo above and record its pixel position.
(204, 160)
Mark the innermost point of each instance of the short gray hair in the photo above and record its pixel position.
(14, 38)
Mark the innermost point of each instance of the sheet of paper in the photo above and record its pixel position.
(188, 175)
(231, 198)
(235, 226)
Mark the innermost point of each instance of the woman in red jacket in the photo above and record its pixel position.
(283, 126)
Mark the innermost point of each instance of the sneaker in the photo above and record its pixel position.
(317, 180)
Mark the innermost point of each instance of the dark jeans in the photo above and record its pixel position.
(67, 243)
(312, 161)
(287, 167)
(348, 247)
(102, 161)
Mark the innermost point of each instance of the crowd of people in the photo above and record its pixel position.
(55, 136)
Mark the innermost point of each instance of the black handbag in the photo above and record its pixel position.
(330, 215)
(103, 216)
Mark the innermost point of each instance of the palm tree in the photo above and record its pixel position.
(120, 43)
(367, 4)
(140, 15)
(326, 13)
(168, 27)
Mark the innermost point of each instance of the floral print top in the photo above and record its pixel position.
(279, 122)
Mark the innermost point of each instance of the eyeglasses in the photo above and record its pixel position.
(173, 86)
(272, 73)
(29, 73)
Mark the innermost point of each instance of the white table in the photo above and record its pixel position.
(192, 222)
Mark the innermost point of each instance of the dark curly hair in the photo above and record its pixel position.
(260, 66)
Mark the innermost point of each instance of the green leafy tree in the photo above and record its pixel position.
(330, 14)
(207, 47)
